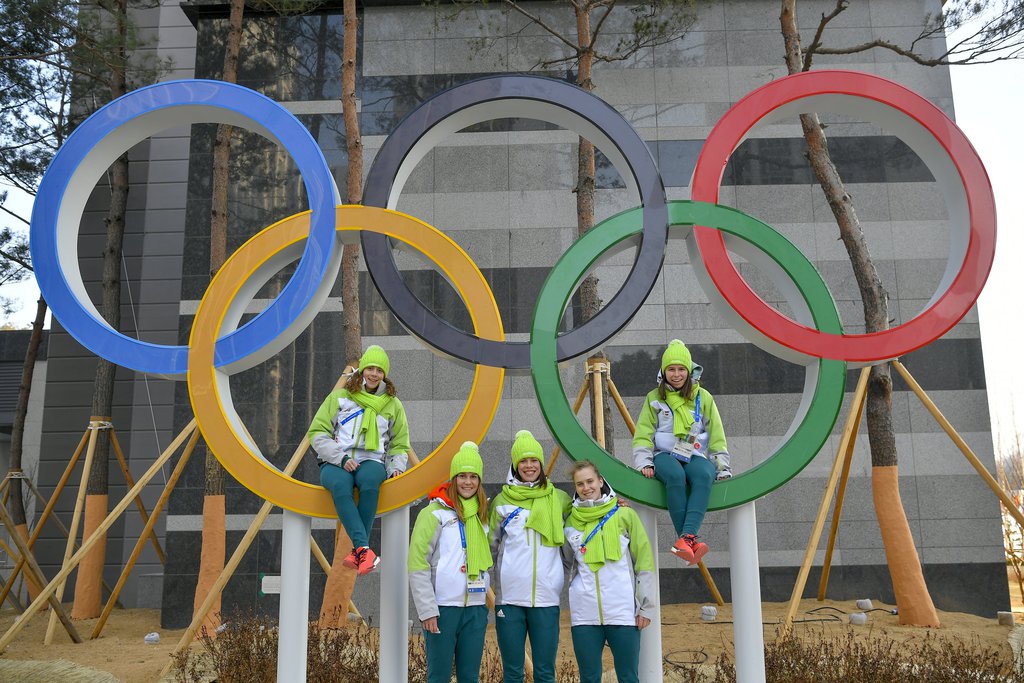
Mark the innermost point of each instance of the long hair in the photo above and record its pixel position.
(354, 384)
(686, 391)
(452, 491)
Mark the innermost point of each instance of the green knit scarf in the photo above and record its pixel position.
(682, 417)
(371, 405)
(604, 546)
(478, 550)
(545, 511)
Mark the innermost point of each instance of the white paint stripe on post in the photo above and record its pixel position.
(748, 633)
(650, 637)
(293, 621)
(394, 596)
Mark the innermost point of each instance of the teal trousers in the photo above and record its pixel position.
(687, 488)
(461, 641)
(357, 519)
(588, 644)
(513, 623)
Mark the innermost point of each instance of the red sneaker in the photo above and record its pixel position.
(700, 549)
(368, 560)
(351, 560)
(689, 549)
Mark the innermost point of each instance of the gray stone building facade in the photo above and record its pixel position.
(503, 191)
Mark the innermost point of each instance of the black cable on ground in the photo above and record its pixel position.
(700, 657)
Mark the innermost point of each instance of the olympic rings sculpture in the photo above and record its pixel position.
(220, 347)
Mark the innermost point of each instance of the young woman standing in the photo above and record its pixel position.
(526, 539)
(611, 577)
(680, 440)
(361, 438)
(448, 561)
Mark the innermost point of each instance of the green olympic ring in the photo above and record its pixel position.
(803, 442)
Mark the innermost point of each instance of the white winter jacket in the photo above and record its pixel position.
(527, 573)
(436, 559)
(619, 591)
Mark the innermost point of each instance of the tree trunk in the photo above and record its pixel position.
(590, 302)
(16, 501)
(904, 564)
(341, 581)
(88, 582)
(211, 561)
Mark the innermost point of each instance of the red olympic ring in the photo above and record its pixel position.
(944, 311)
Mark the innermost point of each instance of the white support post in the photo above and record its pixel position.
(394, 596)
(748, 632)
(650, 637)
(293, 631)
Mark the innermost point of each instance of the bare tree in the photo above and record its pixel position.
(992, 39)
(55, 54)
(212, 553)
(341, 580)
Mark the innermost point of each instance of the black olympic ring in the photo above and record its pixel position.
(532, 97)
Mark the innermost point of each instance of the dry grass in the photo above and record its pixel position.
(247, 652)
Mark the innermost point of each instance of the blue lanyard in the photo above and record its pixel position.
(462, 533)
(351, 417)
(696, 409)
(583, 547)
(511, 516)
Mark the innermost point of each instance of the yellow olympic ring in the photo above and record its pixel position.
(228, 439)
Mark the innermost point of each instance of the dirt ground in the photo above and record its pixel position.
(121, 651)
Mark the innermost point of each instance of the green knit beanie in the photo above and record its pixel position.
(676, 354)
(377, 357)
(467, 460)
(525, 446)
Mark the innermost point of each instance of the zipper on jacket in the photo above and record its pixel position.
(533, 601)
(597, 588)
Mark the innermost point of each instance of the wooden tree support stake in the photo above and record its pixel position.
(75, 519)
(978, 466)
(32, 569)
(138, 500)
(60, 525)
(46, 512)
(229, 568)
(47, 593)
(146, 532)
(819, 522)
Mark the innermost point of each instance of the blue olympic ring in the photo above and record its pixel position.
(91, 149)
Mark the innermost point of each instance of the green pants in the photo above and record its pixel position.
(512, 624)
(357, 519)
(685, 508)
(461, 640)
(588, 644)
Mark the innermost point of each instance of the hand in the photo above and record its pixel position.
(394, 474)
(430, 625)
(648, 471)
(351, 465)
(724, 474)
(642, 622)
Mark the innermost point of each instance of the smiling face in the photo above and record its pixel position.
(676, 375)
(467, 483)
(372, 377)
(528, 470)
(588, 484)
